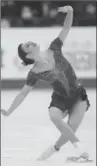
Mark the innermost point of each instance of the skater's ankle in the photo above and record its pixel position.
(79, 148)
(56, 148)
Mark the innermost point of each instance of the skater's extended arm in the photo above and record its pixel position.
(67, 22)
(18, 100)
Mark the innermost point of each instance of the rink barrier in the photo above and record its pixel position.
(17, 84)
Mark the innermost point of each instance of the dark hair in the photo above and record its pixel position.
(22, 56)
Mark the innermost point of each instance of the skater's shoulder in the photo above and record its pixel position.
(32, 78)
(31, 73)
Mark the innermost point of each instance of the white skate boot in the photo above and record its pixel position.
(83, 158)
(47, 154)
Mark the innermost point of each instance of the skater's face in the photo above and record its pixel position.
(30, 48)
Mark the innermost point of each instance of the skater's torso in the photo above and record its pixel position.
(62, 77)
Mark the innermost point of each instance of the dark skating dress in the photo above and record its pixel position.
(67, 89)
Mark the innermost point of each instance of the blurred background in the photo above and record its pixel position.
(40, 22)
(44, 13)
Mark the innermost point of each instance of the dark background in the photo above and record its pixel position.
(44, 13)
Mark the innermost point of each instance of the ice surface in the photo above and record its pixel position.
(28, 131)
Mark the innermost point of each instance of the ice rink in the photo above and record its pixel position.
(28, 131)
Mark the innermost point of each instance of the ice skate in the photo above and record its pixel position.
(47, 154)
(83, 158)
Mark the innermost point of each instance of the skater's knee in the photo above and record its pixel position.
(73, 125)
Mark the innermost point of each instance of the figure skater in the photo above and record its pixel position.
(69, 96)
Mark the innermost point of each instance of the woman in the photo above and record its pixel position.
(69, 97)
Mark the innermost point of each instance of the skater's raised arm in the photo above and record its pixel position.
(67, 22)
(18, 100)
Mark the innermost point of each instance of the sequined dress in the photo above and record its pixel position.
(62, 78)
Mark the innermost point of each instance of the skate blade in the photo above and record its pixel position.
(86, 161)
(41, 158)
(80, 161)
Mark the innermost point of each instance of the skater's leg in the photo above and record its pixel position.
(75, 118)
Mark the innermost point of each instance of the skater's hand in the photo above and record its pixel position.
(4, 112)
(65, 9)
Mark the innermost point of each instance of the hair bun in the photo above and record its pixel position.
(23, 63)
